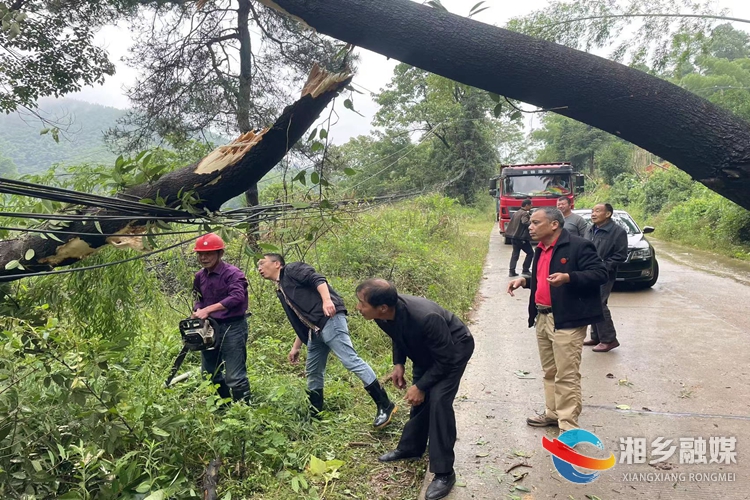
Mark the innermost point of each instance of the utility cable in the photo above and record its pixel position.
(22, 188)
(13, 277)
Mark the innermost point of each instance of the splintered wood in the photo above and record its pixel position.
(228, 155)
(321, 81)
(128, 238)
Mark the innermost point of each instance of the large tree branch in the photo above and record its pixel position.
(709, 143)
(225, 173)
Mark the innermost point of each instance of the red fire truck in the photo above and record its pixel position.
(543, 183)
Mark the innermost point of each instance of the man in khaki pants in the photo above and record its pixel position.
(565, 280)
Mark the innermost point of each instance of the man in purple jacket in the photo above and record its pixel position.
(221, 293)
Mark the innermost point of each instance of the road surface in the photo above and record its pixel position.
(682, 371)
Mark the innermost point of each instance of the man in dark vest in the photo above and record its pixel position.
(318, 316)
(440, 346)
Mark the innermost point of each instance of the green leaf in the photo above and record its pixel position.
(478, 11)
(299, 204)
(317, 466)
(350, 171)
(159, 432)
(43, 131)
(334, 464)
(323, 133)
(13, 264)
(29, 254)
(317, 146)
(315, 178)
(143, 487)
(54, 237)
(494, 97)
(312, 135)
(268, 247)
(475, 7)
(348, 104)
(98, 227)
(295, 484)
(71, 495)
(437, 5)
(156, 495)
(516, 115)
(498, 109)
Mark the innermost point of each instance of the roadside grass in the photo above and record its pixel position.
(90, 415)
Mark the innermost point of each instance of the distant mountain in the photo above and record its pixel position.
(81, 139)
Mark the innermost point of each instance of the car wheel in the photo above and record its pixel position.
(654, 277)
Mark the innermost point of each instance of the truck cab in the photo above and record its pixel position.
(543, 183)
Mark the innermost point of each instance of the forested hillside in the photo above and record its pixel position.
(81, 136)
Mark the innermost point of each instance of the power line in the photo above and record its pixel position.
(22, 188)
(14, 277)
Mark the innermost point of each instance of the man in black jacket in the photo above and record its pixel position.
(440, 346)
(518, 232)
(611, 242)
(318, 316)
(564, 300)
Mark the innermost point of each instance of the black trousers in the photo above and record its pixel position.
(434, 420)
(605, 332)
(519, 245)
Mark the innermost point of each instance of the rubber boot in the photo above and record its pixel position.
(386, 407)
(316, 401)
(241, 395)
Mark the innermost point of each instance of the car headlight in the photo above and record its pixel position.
(641, 254)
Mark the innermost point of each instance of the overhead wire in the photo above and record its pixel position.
(52, 193)
(13, 277)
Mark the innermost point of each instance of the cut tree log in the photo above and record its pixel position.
(707, 142)
(225, 173)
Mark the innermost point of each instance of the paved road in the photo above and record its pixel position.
(683, 370)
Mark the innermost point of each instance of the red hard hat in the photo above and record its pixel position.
(209, 243)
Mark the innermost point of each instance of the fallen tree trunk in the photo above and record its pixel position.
(225, 173)
(707, 142)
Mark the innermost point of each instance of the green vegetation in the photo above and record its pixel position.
(85, 356)
(681, 209)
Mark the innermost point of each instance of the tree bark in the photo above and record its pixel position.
(225, 173)
(243, 103)
(707, 142)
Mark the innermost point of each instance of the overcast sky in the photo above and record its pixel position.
(374, 69)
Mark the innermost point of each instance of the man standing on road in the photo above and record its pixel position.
(518, 232)
(564, 300)
(611, 242)
(221, 293)
(318, 316)
(574, 223)
(440, 346)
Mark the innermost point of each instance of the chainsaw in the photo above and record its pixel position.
(197, 335)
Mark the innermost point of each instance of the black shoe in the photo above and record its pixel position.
(513, 274)
(440, 486)
(397, 454)
(526, 272)
(386, 408)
